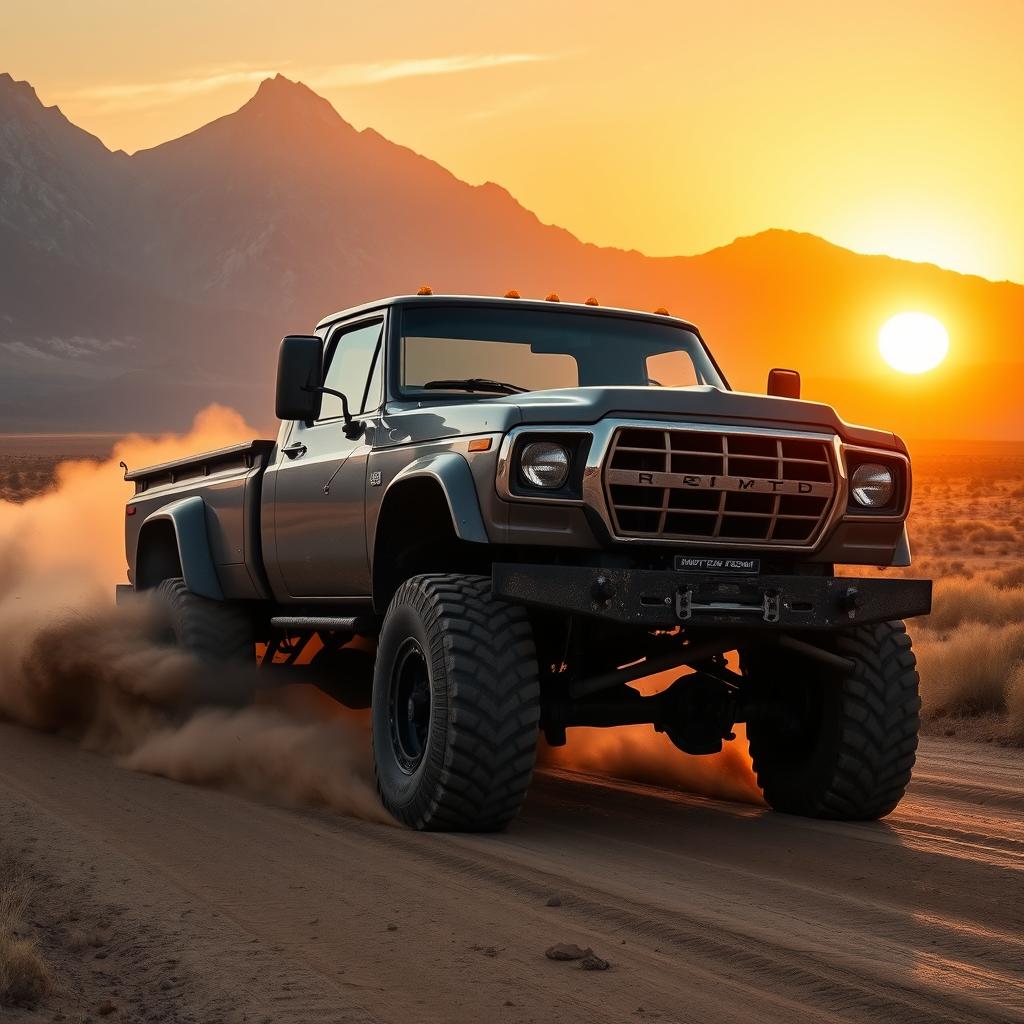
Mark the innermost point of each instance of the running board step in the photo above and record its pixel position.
(363, 624)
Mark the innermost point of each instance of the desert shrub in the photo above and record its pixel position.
(988, 532)
(951, 531)
(958, 599)
(924, 566)
(1015, 706)
(24, 977)
(969, 671)
(1009, 578)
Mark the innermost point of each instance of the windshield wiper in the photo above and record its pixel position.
(471, 384)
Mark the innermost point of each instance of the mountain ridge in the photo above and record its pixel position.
(211, 246)
(267, 83)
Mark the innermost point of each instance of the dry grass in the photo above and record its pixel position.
(968, 671)
(967, 530)
(24, 976)
(958, 600)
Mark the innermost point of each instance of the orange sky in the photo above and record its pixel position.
(664, 126)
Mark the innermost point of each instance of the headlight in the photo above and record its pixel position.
(872, 485)
(544, 464)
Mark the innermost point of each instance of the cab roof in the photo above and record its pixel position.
(546, 305)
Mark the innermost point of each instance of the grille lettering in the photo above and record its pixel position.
(692, 481)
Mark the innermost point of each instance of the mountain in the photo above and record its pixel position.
(137, 288)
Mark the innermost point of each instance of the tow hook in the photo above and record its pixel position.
(768, 608)
(852, 601)
(603, 591)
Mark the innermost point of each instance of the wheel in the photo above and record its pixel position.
(456, 705)
(217, 633)
(832, 743)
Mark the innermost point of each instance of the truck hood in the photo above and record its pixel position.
(703, 403)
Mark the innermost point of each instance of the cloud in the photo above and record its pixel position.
(57, 349)
(391, 71)
(143, 95)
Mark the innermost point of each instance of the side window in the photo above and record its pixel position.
(673, 369)
(355, 370)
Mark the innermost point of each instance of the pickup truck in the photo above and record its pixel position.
(484, 518)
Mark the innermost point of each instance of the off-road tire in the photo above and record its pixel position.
(853, 757)
(217, 633)
(481, 727)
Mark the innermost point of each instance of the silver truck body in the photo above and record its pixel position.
(296, 520)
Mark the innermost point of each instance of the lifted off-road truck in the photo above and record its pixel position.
(488, 517)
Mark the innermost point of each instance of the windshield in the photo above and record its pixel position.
(503, 351)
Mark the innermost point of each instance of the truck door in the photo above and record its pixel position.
(319, 492)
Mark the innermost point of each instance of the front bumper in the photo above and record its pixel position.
(662, 599)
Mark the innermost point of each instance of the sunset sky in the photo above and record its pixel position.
(663, 126)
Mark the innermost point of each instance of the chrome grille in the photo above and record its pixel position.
(701, 485)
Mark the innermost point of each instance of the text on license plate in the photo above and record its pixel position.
(744, 566)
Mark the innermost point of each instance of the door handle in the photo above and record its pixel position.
(295, 450)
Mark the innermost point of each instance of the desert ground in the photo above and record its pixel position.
(273, 889)
(161, 902)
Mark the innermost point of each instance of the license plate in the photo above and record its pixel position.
(740, 566)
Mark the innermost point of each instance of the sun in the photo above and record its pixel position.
(913, 342)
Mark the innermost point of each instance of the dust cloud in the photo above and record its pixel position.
(639, 754)
(75, 665)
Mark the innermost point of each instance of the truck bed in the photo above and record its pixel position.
(229, 483)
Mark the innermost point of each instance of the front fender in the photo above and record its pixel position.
(452, 472)
(188, 517)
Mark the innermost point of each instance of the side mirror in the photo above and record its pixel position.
(300, 367)
(783, 383)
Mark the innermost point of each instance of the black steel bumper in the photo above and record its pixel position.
(661, 599)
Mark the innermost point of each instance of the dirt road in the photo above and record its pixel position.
(208, 906)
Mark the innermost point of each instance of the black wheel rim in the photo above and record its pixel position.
(409, 706)
(801, 717)
(790, 718)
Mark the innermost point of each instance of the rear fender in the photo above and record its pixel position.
(187, 517)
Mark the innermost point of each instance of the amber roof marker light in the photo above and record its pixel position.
(552, 297)
(592, 301)
(511, 294)
(425, 289)
(662, 311)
